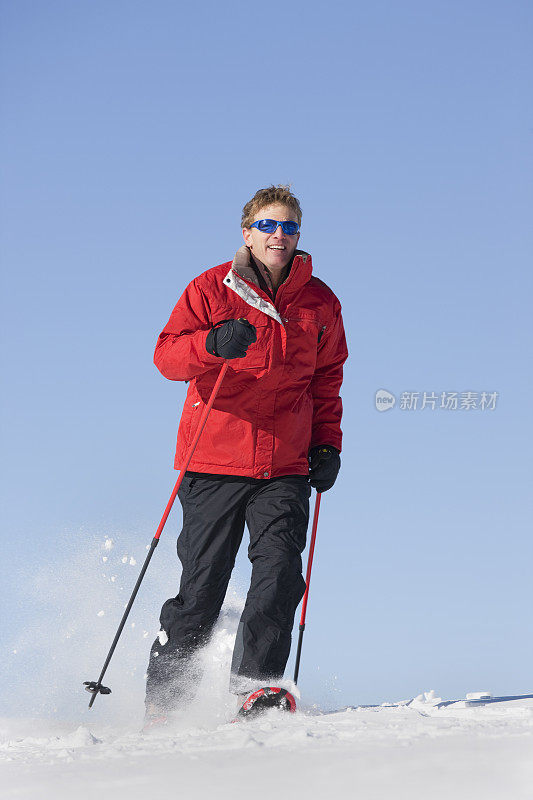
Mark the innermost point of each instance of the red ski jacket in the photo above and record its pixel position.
(280, 399)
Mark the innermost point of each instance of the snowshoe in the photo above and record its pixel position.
(155, 719)
(154, 724)
(265, 698)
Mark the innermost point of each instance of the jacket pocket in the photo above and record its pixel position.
(252, 360)
(303, 330)
(192, 410)
(257, 354)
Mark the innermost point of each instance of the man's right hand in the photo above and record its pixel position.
(230, 339)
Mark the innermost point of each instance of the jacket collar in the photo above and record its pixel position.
(242, 280)
(299, 274)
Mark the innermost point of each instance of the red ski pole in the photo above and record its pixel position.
(95, 687)
(307, 582)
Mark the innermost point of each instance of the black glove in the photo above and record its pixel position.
(324, 466)
(230, 339)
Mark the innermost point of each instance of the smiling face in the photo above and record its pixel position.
(274, 250)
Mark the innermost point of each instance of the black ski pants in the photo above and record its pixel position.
(215, 510)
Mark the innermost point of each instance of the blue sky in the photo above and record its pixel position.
(133, 134)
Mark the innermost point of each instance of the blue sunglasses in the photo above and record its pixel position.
(270, 225)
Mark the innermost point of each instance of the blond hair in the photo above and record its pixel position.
(268, 196)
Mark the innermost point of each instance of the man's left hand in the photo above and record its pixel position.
(324, 465)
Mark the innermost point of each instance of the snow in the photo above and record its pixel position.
(52, 746)
(379, 753)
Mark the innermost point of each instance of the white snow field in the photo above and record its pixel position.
(52, 747)
(387, 753)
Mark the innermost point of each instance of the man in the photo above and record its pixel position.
(272, 434)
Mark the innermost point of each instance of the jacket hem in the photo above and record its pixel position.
(222, 469)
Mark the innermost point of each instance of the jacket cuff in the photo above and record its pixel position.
(325, 438)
